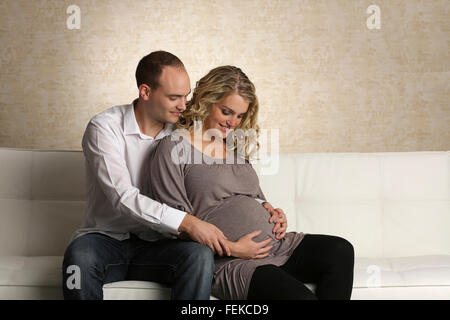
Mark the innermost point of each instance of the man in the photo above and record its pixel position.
(126, 235)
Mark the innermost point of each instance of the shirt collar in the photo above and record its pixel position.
(130, 125)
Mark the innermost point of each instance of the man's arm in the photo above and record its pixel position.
(106, 163)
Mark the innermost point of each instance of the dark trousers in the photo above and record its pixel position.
(94, 259)
(326, 261)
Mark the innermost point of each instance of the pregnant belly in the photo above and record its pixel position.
(239, 215)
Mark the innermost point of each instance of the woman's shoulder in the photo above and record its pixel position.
(171, 145)
(172, 139)
(168, 141)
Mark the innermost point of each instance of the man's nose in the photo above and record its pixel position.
(182, 105)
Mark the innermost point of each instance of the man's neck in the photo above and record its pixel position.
(147, 125)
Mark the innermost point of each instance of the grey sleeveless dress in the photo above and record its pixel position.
(222, 194)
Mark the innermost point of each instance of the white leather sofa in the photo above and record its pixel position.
(393, 207)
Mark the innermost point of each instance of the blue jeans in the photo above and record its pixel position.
(187, 267)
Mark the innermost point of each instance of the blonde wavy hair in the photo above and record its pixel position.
(213, 88)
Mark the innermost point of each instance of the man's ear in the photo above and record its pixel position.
(145, 92)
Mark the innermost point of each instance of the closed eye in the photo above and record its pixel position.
(227, 112)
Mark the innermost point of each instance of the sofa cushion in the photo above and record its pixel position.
(340, 194)
(42, 201)
(14, 223)
(280, 192)
(385, 278)
(402, 293)
(58, 175)
(15, 173)
(51, 225)
(393, 207)
(385, 204)
(416, 203)
(42, 271)
(136, 290)
(415, 271)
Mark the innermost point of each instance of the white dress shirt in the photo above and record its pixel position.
(116, 154)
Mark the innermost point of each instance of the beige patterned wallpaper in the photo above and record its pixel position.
(332, 76)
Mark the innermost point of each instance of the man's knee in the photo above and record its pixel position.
(85, 258)
(83, 269)
(200, 257)
(79, 253)
(201, 253)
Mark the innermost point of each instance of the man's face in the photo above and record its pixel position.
(168, 101)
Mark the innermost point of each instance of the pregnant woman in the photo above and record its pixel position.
(203, 168)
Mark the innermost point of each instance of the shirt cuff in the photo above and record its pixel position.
(260, 201)
(172, 219)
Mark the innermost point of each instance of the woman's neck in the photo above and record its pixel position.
(209, 145)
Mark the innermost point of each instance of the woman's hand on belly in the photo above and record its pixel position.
(246, 248)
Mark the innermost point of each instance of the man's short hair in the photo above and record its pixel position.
(150, 67)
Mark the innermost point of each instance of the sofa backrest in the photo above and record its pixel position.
(42, 200)
(386, 204)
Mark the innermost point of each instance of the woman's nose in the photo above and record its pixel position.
(233, 122)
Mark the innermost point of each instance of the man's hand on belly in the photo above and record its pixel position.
(279, 218)
(204, 233)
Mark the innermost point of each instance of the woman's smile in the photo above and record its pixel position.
(224, 129)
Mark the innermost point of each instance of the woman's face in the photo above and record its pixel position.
(227, 114)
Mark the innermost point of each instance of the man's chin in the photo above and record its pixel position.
(172, 119)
